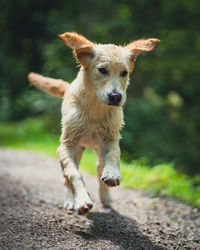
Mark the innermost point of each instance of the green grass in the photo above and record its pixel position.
(29, 135)
(162, 179)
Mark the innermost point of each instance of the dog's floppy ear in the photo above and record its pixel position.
(140, 46)
(83, 48)
(84, 54)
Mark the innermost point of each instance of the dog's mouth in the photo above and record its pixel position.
(114, 104)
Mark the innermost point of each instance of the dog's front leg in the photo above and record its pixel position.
(74, 179)
(103, 189)
(111, 172)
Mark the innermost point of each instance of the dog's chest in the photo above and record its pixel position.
(91, 140)
(97, 132)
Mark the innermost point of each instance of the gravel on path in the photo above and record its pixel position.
(32, 216)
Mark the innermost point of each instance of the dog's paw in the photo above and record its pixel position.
(83, 206)
(110, 178)
(69, 204)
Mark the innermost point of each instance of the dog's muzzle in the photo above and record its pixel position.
(114, 98)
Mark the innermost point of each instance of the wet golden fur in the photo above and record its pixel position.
(88, 118)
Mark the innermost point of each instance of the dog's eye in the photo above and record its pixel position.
(103, 71)
(124, 73)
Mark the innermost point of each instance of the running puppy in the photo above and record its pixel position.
(92, 114)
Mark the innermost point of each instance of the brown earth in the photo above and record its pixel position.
(32, 217)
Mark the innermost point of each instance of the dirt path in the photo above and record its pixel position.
(32, 217)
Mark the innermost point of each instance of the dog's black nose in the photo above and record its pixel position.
(114, 98)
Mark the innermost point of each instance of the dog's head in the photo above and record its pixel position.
(108, 66)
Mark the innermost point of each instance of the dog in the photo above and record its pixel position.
(92, 112)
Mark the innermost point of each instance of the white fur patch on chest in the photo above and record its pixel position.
(91, 141)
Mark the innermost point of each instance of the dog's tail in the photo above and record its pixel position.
(55, 87)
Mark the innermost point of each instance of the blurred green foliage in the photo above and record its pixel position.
(163, 108)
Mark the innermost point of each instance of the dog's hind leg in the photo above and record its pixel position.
(103, 189)
(69, 159)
